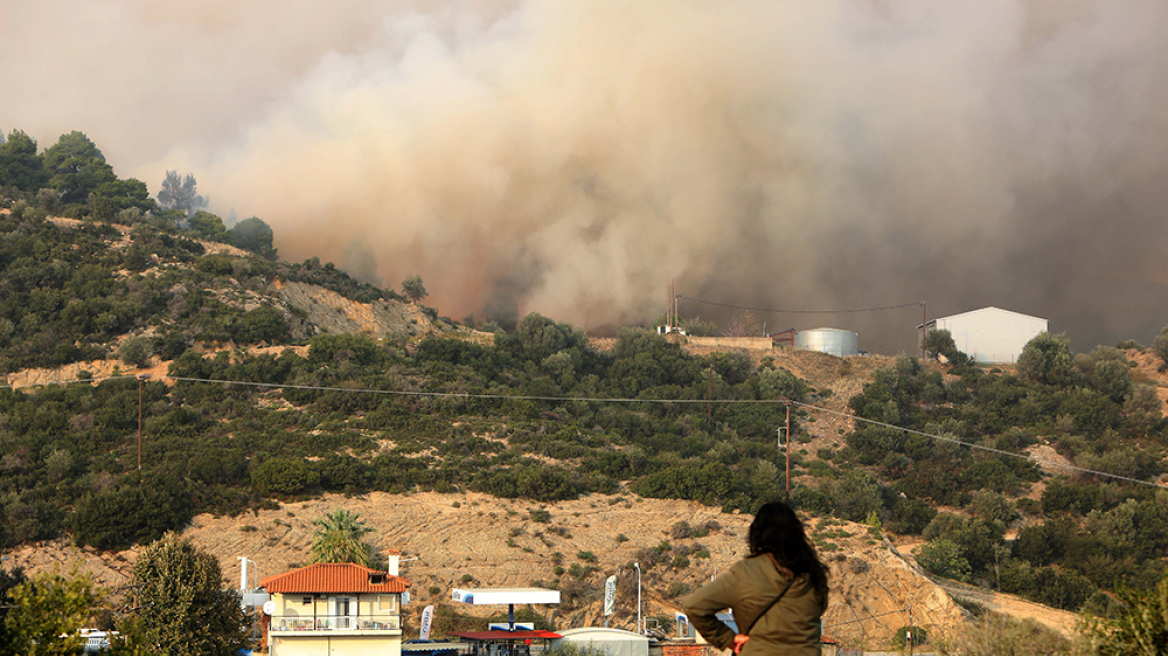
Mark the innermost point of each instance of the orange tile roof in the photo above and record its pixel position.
(333, 577)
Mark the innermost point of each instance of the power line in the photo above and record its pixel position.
(774, 311)
(981, 447)
(585, 399)
(469, 395)
(901, 611)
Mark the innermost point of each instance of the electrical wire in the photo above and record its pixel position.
(773, 311)
(902, 611)
(469, 395)
(561, 399)
(981, 447)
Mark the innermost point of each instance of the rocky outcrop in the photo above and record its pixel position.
(312, 309)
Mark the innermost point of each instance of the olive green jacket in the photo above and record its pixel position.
(791, 627)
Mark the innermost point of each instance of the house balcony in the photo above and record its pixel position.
(333, 624)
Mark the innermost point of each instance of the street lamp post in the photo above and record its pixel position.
(640, 630)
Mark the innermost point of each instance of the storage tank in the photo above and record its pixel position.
(841, 343)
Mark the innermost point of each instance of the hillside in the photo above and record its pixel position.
(277, 391)
(453, 536)
(77, 290)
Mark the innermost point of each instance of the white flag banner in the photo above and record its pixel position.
(610, 595)
(427, 618)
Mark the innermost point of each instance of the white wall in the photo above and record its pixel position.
(992, 335)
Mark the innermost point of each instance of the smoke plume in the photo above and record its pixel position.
(575, 157)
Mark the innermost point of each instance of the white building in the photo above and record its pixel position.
(991, 335)
(611, 642)
(336, 609)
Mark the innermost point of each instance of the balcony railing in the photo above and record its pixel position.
(336, 623)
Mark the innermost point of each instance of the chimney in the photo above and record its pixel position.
(394, 559)
(243, 573)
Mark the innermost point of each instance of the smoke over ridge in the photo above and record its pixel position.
(572, 158)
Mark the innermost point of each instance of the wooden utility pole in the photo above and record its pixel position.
(911, 629)
(672, 316)
(710, 403)
(924, 326)
(139, 423)
(788, 475)
(141, 379)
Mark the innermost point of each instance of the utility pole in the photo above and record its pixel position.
(671, 317)
(676, 319)
(911, 628)
(139, 423)
(924, 326)
(710, 403)
(141, 378)
(787, 477)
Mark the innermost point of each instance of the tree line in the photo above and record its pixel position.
(72, 179)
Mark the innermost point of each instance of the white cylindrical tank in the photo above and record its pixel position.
(840, 343)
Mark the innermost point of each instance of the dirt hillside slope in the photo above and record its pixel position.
(496, 543)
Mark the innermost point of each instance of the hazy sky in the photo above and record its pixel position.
(574, 157)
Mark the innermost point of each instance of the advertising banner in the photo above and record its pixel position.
(427, 618)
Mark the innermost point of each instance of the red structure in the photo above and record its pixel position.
(787, 336)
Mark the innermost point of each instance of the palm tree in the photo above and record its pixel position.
(339, 539)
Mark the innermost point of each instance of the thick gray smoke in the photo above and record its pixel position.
(573, 157)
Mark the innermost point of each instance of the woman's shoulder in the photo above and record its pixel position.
(755, 566)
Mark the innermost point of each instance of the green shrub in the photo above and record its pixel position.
(1140, 625)
(919, 636)
(1160, 345)
(136, 351)
(943, 558)
(263, 324)
(131, 514)
(284, 476)
(994, 634)
(910, 516)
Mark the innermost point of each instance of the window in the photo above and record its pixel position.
(387, 602)
(306, 600)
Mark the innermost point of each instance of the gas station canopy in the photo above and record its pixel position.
(505, 596)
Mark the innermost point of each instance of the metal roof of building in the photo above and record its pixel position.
(990, 310)
(538, 634)
(334, 577)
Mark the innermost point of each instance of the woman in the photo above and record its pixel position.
(782, 566)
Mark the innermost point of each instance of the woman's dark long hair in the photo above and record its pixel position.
(776, 530)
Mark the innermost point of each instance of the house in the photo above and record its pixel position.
(336, 609)
(991, 335)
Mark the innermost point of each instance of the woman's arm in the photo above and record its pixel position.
(702, 606)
